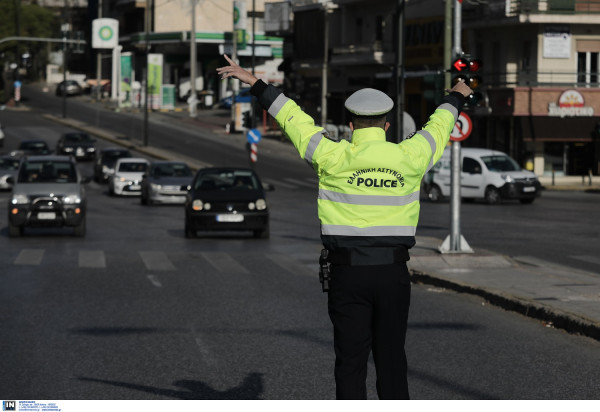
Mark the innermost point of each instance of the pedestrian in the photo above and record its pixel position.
(368, 206)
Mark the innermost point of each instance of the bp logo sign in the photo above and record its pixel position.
(105, 33)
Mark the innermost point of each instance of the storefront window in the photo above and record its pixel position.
(554, 158)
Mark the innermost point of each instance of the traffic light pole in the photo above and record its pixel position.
(455, 242)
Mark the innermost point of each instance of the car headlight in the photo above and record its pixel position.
(507, 178)
(197, 204)
(155, 186)
(71, 199)
(120, 178)
(68, 149)
(19, 200)
(251, 206)
(91, 149)
(261, 204)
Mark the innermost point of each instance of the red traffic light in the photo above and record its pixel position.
(460, 64)
(475, 65)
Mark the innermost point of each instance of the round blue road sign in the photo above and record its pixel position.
(253, 136)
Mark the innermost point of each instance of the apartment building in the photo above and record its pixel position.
(540, 69)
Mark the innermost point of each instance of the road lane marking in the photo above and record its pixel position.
(223, 262)
(290, 265)
(30, 257)
(154, 280)
(92, 259)
(156, 260)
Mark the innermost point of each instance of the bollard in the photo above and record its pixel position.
(552, 177)
(590, 177)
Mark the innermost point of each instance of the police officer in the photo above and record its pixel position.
(368, 206)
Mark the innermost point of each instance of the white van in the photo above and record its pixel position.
(485, 174)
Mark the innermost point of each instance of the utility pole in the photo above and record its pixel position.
(99, 61)
(193, 101)
(148, 20)
(65, 33)
(399, 71)
(325, 68)
(455, 242)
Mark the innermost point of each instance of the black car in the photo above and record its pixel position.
(47, 192)
(77, 144)
(226, 199)
(34, 147)
(105, 162)
(71, 86)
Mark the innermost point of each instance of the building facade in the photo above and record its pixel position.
(540, 70)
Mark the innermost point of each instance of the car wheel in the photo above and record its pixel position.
(492, 196)
(435, 193)
(527, 201)
(15, 231)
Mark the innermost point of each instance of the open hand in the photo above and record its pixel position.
(235, 71)
(461, 87)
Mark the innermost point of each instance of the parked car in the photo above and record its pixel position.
(244, 96)
(34, 147)
(8, 168)
(166, 182)
(127, 177)
(1, 136)
(104, 164)
(485, 174)
(47, 191)
(77, 144)
(226, 199)
(72, 87)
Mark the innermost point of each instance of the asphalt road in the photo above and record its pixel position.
(136, 311)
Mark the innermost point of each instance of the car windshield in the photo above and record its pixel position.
(48, 172)
(227, 180)
(132, 167)
(171, 170)
(500, 163)
(77, 138)
(9, 164)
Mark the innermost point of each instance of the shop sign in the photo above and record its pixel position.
(570, 104)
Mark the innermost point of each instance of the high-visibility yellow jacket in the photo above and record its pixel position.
(368, 188)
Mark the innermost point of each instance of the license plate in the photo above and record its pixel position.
(135, 187)
(529, 189)
(46, 216)
(230, 218)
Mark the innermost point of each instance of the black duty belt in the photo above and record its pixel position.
(368, 256)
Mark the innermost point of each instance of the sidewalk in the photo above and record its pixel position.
(558, 296)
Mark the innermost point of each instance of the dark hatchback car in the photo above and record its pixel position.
(71, 86)
(77, 144)
(47, 192)
(106, 159)
(34, 147)
(229, 199)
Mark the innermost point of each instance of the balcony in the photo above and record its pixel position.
(507, 9)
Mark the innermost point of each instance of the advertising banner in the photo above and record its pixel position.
(155, 65)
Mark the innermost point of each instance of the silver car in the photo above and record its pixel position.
(8, 168)
(166, 182)
(48, 192)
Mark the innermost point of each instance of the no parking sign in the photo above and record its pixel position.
(462, 128)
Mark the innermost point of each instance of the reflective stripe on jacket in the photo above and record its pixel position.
(368, 188)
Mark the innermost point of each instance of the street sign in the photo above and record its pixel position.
(253, 136)
(105, 33)
(462, 128)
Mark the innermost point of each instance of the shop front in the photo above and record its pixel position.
(557, 129)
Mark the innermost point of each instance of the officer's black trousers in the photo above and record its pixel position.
(368, 306)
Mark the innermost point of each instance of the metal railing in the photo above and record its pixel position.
(496, 9)
(541, 79)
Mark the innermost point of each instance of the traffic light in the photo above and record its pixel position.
(247, 120)
(468, 70)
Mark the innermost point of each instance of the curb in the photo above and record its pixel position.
(552, 317)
